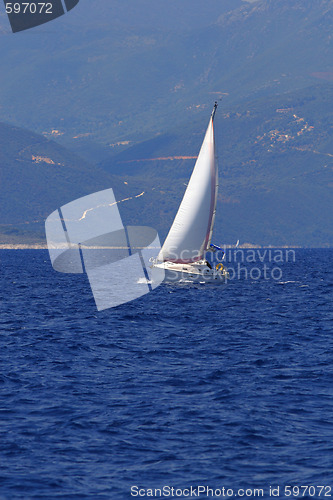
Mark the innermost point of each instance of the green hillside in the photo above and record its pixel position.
(121, 85)
(38, 176)
(275, 164)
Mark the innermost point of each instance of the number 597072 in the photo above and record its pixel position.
(28, 8)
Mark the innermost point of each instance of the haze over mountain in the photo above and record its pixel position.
(118, 84)
(98, 71)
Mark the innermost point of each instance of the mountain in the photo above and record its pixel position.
(275, 168)
(173, 15)
(275, 175)
(37, 177)
(115, 84)
(113, 79)
(100, 71)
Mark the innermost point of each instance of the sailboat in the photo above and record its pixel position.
(183, 254)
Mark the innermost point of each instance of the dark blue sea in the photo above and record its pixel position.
(203, 385)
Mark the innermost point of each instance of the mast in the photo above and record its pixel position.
(214, 110)
(216, 183)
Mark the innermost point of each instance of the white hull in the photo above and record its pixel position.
(193, 272)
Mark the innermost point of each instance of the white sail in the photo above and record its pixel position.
(190, 234)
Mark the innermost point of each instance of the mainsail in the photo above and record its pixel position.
(191, 232)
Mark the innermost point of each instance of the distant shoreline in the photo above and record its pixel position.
(244, 246)
(22, 246)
